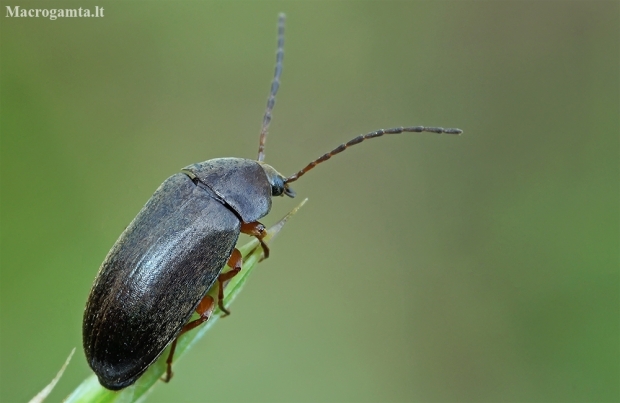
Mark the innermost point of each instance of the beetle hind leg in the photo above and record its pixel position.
(259, 231)
(204, 309)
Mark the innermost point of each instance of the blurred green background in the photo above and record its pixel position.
(425, 268)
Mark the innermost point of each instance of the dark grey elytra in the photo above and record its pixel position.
(162, 266)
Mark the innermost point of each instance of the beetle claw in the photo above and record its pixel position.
(168, 375)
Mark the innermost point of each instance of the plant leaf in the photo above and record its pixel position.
(43, 394)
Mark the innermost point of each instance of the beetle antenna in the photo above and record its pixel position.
(275, 84)
(362, 137)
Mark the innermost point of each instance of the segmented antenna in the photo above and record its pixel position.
(275, 84)
(362, 137)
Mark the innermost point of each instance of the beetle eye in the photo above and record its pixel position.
(276, 191)
(277, 186)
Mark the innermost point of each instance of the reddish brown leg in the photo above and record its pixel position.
(235, 264)
(258, 230)
(204, 309)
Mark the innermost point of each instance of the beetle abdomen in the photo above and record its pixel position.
(154, 277)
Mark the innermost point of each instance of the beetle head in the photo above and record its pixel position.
(279, 187)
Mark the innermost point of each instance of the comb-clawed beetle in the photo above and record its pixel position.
(160, 269)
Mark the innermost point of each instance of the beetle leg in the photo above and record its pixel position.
(204, 309)
(258, 230)
(235, 264)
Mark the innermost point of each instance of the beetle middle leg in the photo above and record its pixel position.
(258, 230)
(234, 262)
(204, 309)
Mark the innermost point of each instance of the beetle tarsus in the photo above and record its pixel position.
(234, 262)
(265, 249)
(222, 279)
(169, 372)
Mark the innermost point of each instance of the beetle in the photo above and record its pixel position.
(160, 269)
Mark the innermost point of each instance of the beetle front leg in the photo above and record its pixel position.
(204, 309)
(258, 230)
